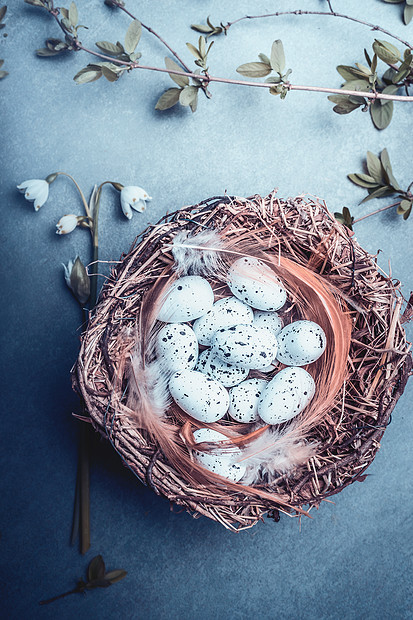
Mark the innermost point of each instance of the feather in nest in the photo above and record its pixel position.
(266, 451)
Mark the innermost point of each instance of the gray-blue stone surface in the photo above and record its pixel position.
(354, 558)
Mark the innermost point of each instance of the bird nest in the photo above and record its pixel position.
(349, 434)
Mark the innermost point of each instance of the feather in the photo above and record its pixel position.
(197, 254)
(274, 452)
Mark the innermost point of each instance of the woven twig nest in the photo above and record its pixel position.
(349, 434)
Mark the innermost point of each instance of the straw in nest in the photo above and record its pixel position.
(376, 365)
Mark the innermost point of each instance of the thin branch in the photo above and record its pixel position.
(122, 8)
(210, 78)
(395, 204)
(328, 13)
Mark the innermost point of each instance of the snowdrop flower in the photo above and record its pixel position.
(133, 197)
(36, 190)
(77, 279)
(67, 224)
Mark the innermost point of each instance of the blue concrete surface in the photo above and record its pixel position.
(354, 559)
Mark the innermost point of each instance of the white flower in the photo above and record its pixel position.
(36, 190)
(133, 197)
(66, 224)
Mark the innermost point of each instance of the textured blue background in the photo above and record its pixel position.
(354, 559)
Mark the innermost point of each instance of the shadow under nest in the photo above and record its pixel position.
(379, 361)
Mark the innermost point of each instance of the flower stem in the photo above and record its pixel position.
(55, 598)
(395, 204)
(84, 470)
(78, 189)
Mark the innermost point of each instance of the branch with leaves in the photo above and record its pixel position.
(96, 577)
(3, 11)
(380, 182)
(119, 58)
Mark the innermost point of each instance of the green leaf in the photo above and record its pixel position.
(365, 70)
(3, 74)
(168, 99)
(385, 190)
(339, 217)
(264, 59)
(91, 73)
(393, 1)
(361, 85)
(273, 79)
(112, 49)
(194, 103)
(73, 14)
(96, 569)
(349, 73)
(109, 74)
(115, 575)
(401, 74)
(388, 171)
(407, 18)
(344, 104)
(132, 37)
(381, 115)
(181, 80)
(363, 180)
(201, 28)
(64, 12)
(374, 167)
(188, 95)
(404, 205)
(386, 51)
(34, 3)
(194, 51)
(45, 51)
(391, 89)
(254, 69)
(277, 56)
(202, 46)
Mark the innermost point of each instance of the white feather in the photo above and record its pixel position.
(274, 453)
(199, 254)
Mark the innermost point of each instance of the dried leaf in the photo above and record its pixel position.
(349, 73)
(277, 56)
(407, 18)
(181, 80)
(264, 59)
(109, 74)
(3, 11)
(385, 190)
(168, 99)
(344, 104)
(3, 74)
(388, 171)
(254, 69)
(132, 37)
(194, 51)
(363, 180)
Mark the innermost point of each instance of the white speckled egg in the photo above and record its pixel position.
(187, 299)
(219, 461)
(243, 400)
(227, 374)
(177, 347)
(245, 345)
(225, 313)
(270, 320)
(201, 397)
(300, 343)
(256, 284)
(286, 395)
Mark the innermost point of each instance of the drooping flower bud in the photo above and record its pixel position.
(77, 280)
(67, 224)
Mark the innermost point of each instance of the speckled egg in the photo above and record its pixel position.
(187, 299)
(270, 320)
(225, 313)
(177, 347)
(219, 461)
(245, 345)
(286, 395)
(214, 367)
(255, 283)
(201, 397)
(243, 400)
(300, 343)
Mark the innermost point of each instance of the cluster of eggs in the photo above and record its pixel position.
(238, 334)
